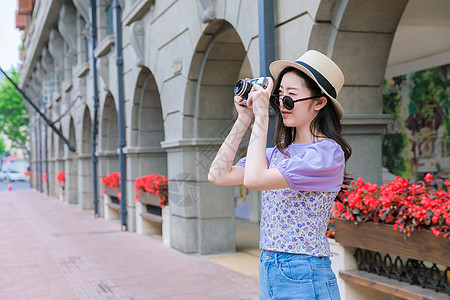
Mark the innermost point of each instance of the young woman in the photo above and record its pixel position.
(300, 177)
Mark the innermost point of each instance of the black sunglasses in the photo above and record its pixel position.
(288, 102)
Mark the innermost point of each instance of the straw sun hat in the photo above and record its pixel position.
(321, 69)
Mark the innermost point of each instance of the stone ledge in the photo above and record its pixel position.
(104, 46)
(363, 119)
(195, 142)
(136, 11)
(57, 97)
(144, 150)
(84, 156)
(107, 153)
(389, 286)
(366, 123)
(67, 85)
(82, 69)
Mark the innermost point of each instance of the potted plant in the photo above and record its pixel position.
(61, 179)
(152, 189)
(27, 175)
(112, 184)
(399, 218)
(152, 192)
(111, 196)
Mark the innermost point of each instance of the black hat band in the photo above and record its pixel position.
(322, 81)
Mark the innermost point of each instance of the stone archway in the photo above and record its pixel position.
(203, 214)
(52, 167)
(147, 122)
(85, 196)
(109, 139)
(358, 37)
(71, 168)
(59, 163)
(145, 154)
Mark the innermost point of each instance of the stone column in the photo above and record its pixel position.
(52, 177)
(108, 161)
(71, 187)
(67, 25)
(59, 166)
(55, 48)
(141, 161)
(202, 214)
(85, 196)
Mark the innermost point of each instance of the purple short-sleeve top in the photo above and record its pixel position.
(295, 220)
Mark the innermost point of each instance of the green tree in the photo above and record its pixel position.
(2, 146)
(430, 100)
(13, 114)
(429, 107)
(394, 143)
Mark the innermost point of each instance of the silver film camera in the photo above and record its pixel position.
(243, 87)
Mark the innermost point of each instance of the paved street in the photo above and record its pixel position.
(52, 250)
(16, 186)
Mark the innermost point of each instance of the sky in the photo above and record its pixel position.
(9, 36)
(9, 40)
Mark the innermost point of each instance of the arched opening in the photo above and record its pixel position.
(418, 65)
(220, 70)
(220, 59)
(52, 166)
(147, 121)
(109, 126)
(227, 62)
(145, 153)
(85, 164)
(109, 139)
(358, 38)
(86, 135)
(71, 168)
(60, 166)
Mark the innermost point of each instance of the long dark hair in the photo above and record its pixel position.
(326, 122)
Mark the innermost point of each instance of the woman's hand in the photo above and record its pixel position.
(242, 110)
(259, 98)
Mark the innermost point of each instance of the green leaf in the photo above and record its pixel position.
(13, 114)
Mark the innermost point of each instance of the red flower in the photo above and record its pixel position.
(155, 184)
(112, 180)
(26, 173)
(435, 231)
(44, 176)
(410, 207)
(61, 177)
(428, 177)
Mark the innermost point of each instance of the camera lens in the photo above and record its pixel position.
(239, 87)
(242, 88)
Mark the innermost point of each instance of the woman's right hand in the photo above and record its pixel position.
(242, 110)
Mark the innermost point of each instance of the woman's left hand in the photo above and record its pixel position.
(259, 98)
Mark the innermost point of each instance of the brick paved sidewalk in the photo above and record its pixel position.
(52, 250)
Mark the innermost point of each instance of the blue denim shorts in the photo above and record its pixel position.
(296, 276)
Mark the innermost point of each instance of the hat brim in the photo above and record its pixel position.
(277, 66)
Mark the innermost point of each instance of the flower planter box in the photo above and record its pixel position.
(149, 199)
(111, 204)
(111, 192)
(151, 218)
(423, 245)
(61, 194)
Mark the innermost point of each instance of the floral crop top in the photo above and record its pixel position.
(295, 220)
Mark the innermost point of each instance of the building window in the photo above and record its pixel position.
(85, 40)
(49, 86)
(110, 19)
(86, 48)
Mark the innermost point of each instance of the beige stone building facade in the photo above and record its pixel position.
(181, 59)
